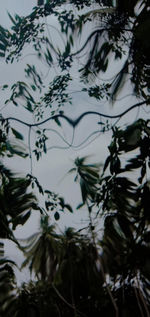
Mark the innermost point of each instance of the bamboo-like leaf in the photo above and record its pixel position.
(17, 134)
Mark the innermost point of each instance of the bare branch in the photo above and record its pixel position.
(76, 121)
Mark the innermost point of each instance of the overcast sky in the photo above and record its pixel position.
(51, 170)
(54, 165)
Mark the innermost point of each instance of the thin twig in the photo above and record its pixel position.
(142, 297)
(30, 152)
(65, 301)
(109, 291)
(137, 298)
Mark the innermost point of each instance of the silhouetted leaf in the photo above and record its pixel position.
(17, 134)
(56, 215)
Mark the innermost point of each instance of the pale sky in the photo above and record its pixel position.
(51, 170)
(54, 165)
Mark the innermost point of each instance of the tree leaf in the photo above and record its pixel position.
(68, 207)
(57, 216)
(17, 134)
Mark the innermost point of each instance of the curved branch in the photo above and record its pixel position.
(80, 145)
(98, 31)
(65, 301)
(76, 121)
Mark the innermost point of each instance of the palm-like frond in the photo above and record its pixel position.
(98, 12)
(7, 283)
(88, 177)
(42, 251)
(16, 202)
(77, 273)
(126, 239)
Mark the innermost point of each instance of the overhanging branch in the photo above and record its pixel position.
(75, 122)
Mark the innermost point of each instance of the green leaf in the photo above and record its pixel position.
(107, 162)
(58, 122)
(2, 54)
(17, 134)
(33, 87)
(5, 86)
(80, 206)
(119, 80)
(2, 47)
(84, 192)
(56, 216)
(69, 208)
(11, 18)
(21, 220)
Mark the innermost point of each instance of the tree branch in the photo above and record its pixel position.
(75, 122)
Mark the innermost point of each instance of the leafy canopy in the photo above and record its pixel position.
(85, 272)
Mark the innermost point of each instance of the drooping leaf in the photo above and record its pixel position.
(17, 134)
(67, 206)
